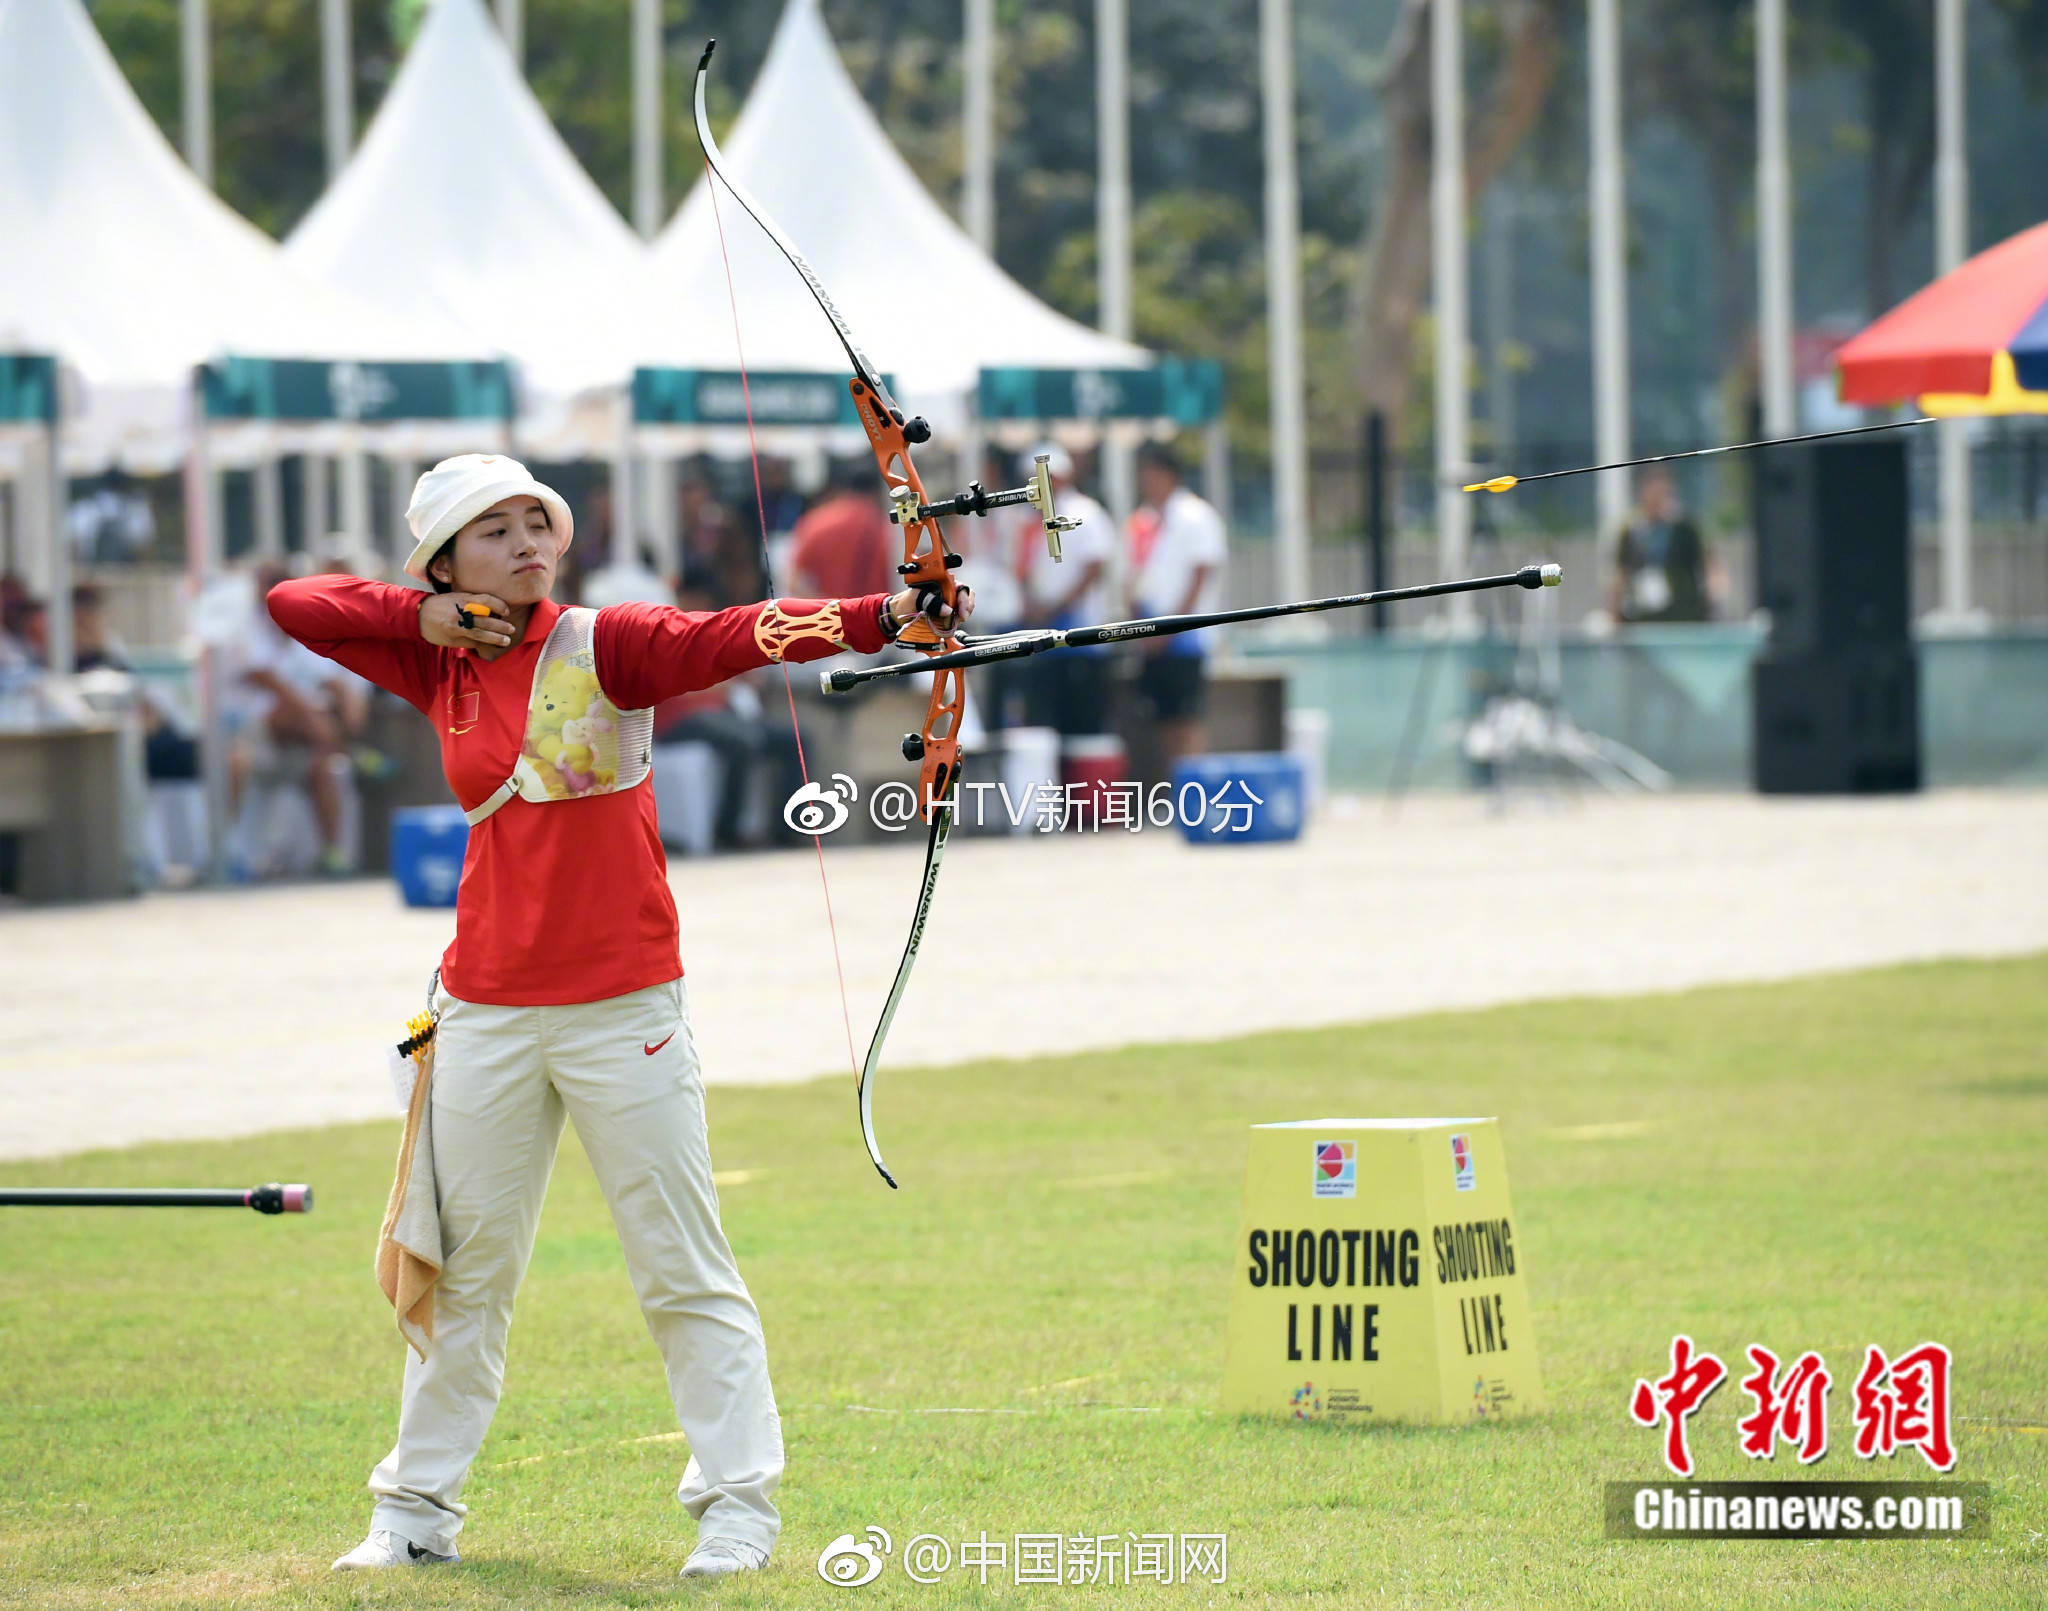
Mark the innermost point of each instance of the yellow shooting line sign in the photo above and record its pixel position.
(1379, 1276)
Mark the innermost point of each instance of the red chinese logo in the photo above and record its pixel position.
(1904, 1404)
(1794, 1410)
(1674, 1398)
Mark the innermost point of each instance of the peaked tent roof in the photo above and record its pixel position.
(462, 197)
(926, 303)
(121, 263)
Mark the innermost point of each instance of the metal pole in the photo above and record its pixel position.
(647, 197)
(1773, 223)
(1376, 511)
(1951, 246)
(1283, 299)
(1216, 465)
(1610, 263)
(196, 90)
(313, 519)
(403, 473)
(624, 537)
(61, 633)
(201, 535)
(337, 78)
(1113, 221)
(512, 24)
(659, 487)
(1499, 266)
(33, 508)
(355, 500)
(977, 215)
(978, 127)
(267, 483)
(1447, 220)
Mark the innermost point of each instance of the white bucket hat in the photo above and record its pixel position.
(453, 493)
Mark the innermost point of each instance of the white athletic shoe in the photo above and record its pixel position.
(718, 1557)
(384, 1548)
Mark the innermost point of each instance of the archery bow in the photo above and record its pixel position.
(928, 566)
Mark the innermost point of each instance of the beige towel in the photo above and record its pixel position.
(409, 1242)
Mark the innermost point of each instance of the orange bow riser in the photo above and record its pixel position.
(927, 564)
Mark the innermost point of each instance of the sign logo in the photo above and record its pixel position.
(816, 809)
(849, 1562)
(1306, 1401)
(1461, 1161)
(1336, 1173)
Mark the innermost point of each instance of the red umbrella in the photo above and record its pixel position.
(1958, 335)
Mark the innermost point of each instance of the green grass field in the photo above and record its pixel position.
(190, 1402)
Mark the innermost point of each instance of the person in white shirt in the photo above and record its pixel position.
(1069, 691)
(1178, 551)
(281, 720)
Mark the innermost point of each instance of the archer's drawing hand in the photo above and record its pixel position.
(443, 622)
(928, 601)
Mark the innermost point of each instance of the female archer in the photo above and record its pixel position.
(562, 991)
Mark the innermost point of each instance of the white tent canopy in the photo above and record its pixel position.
(926, 304)
(118, 261)
(463, 198)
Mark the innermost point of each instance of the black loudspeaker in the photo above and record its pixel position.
(1840, 721)
(1835, 696)
(1832, 553)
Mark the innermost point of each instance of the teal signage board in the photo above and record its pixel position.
(721, 397)
(28, 389)
(300, 389)
(1187, 391)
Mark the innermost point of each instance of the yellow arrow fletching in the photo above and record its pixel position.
(1499, 483)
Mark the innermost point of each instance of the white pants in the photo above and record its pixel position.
(503, 1078)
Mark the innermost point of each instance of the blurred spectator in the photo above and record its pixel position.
(1069, 690)
(93, 642)
(725, 555)
(731, 719)
(24, 627)
(782, 506)
(1660, 564)
(1177, 556)
(112, 525)
(348, 697)
(845, 546)
(282, 710)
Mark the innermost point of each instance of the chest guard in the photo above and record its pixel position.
(578, 744)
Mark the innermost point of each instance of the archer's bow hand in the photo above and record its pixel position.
(906, 606)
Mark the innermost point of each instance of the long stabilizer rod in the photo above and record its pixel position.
(270, 1199)
(1502, 483)
(1016, 645)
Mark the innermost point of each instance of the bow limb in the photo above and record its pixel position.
(934, 852)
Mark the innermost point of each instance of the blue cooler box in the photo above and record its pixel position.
(427, 846)
(1252, 799)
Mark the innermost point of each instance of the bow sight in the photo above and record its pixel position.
(905, 509)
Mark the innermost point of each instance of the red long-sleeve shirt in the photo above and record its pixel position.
(568, 901)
